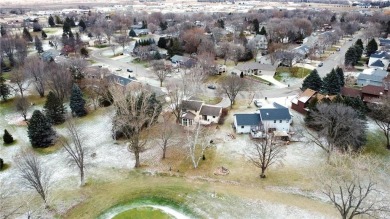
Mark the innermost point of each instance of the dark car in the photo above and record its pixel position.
(129, 70)
(211, 86)
(6, 69)
(320, 64)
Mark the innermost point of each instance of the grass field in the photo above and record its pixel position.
(295, 72)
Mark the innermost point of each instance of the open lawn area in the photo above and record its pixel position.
(295, 72)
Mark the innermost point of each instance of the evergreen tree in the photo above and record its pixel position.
(84, 52)
(82, 25)
(359, 43)
(175, 48)
(66, 28)
(40, 131)
(371, 47)
(7, 137)
(132, 33)
(256, 26)
(163, 25)
(54, 109)
(44, 35)
(342, 19)
(26, 35)
(1, 163)
(359, 53)
(4, 88)
(3, 31)
(312, 81)
(51, 21)
(58, 20)
(263, 32)
(38, 44)
(333, 18)
(340, 73)
(350, 56)
(144, 25)
(77, 103)
(331, 83)
(162, 43)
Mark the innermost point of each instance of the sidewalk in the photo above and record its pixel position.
(272, 80)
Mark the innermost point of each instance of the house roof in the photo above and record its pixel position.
(306, 95)
(383, 42)
(118, 79)
(210, 110)
(373, 90)
(191, 105)
(188, 115)
(320, 97)
(377, 63)
(141, 31)
(374, 75)
(177, 58)
(244, 119)
(278, 113)
(255, 66)
(350, 92)
(379, 55)
(51, 53)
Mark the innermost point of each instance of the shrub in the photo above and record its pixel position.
(7, 137)
(223, 116)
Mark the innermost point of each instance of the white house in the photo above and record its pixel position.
(245, 122)
(272, 118)
(254, 68)
(194, 111)
(190, 112)
(260, 42)
(276, 118)
(210, 114)
(379, 60)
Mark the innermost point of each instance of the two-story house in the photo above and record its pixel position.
(194, 111)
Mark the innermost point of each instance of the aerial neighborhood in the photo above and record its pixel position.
(194, 109)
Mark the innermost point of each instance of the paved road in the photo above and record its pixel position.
(338, 57)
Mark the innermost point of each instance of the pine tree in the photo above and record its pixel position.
(350, 57)
(7, 137)
(26, 35)
(359, 43)
(44, 35)
(333, 18)
(82, 25)
(340, 73)
(331, 83)
(3, 31)
(38, 44)
(40, 131)
(359, 53)
(51, 21)
(54, 109)
(66, 28)
(132, 33)
(4, 88)
(256, 26)
(263, 32)
(312, 81)
(77, 103)
(371, 47)
(162, 43)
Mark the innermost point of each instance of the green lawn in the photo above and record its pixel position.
(143, 212)
(376, 144)
(295, 72)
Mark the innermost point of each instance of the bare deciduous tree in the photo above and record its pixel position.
(35, 69)
(8, 206)
(55, 41)
(167, 133)
(198, 141)
(161, 70)
(265, 152)
(351, 185)
(339, 127)
(381, 115)
(20, 81)
(175, 97)
(75, 148)
(123, 40)
(136, 110)
(22, 105)
(231, 86)
(59, 80)
(33, 174)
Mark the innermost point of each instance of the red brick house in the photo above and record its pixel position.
(301, 102)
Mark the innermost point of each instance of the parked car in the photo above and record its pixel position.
(118, 69)
(257, 103)
(211, 86)
(129, 70)
(320, 64)
(338, 49)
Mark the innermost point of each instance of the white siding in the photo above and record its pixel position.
(246, 129)
(213, 120)
(279, 126)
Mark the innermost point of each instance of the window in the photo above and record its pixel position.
(274, 121)
(280, 121)
(242, 126)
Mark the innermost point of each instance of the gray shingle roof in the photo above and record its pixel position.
(118, 79)
(278, 113)
(191, 105)
(378, 63)
(247, 119)
(379, 55)
(210, 110)
(377, 75)
(255, 66)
